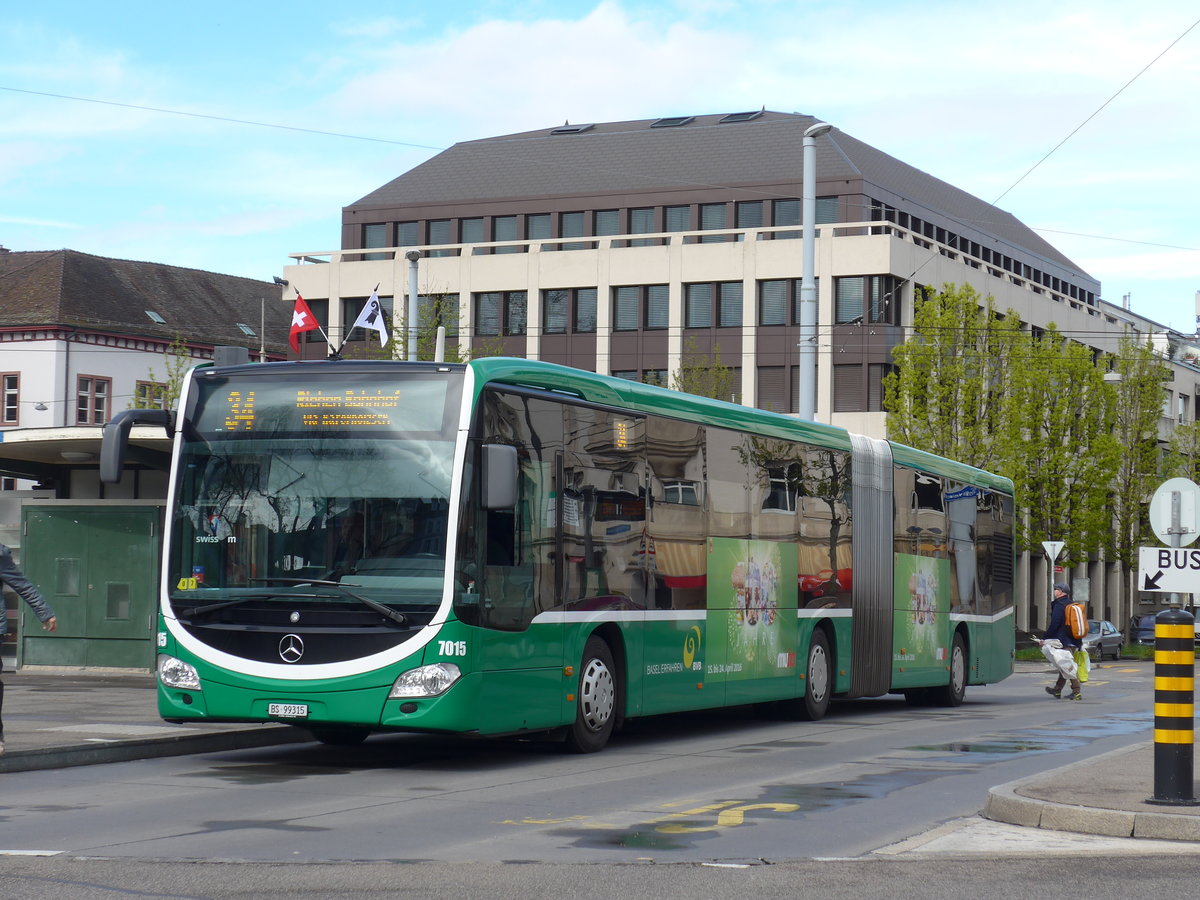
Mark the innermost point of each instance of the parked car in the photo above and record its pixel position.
(1103, 639)
(1141, 629)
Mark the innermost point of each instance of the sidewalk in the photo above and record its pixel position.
(54, 718)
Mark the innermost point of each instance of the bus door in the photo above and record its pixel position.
(519, 649)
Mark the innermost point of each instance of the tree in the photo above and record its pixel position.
(1138, 406)
(1060, 450)
(946, 394)
(1183, 452)
(704, 374)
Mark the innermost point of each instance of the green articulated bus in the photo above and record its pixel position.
(510, 547)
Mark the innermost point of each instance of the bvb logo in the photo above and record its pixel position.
(691, 643)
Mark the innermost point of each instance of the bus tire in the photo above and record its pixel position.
(952, 693)
(818, 679)
(596, 699)
(340, 737)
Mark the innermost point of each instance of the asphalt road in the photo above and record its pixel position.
(709, 805)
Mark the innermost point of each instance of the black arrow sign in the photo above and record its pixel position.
(1152, 583)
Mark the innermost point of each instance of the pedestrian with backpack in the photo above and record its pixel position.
(1060, 629)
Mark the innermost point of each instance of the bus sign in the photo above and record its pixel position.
(1168, 570)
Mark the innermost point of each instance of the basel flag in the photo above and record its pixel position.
(302, 320)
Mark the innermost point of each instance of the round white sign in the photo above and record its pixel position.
(1162, 512)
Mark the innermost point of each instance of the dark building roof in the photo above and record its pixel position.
(69, 288)
(763, 151)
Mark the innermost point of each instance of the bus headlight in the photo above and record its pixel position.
(175, 673)
(426, 681)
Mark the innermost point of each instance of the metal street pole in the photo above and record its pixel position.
(807, 401)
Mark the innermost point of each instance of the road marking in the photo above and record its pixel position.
(31, 852)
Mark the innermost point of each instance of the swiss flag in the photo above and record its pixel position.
(302, 320)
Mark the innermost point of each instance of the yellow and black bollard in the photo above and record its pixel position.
(1174, 690)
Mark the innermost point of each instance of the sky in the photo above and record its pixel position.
(225, 136)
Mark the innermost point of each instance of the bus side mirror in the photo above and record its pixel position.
(116, 438)
(498, 465)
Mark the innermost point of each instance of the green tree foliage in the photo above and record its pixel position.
(1080, 451)
(1183, 453)
(704, 374)
(1138, 405)
(1061, 451)
(946, 394)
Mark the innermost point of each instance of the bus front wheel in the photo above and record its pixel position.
(596, 702)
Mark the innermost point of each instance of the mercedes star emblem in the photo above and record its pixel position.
(291, 648)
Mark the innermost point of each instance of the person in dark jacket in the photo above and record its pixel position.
(15, 579)
(1059, 629)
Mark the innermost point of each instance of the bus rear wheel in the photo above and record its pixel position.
(952, 693)
(596, 702)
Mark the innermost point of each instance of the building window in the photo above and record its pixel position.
(494, 307)
(827, 210)
(585, 310)
(408, 234)
(607, 221)
(876, 372)
(470, 231)
(634, 305)
(698, 305)
(714, 217)
(439, 231)
(374, 235)
(772, 388)
(655, 376)
(556, 310)
(433, 310)
(352, 306)
(875, 296)
(12, 398)
(775, 297)
(504, 228)
(538, 227)
(92, 400)
(677, 218)
(570, 224)
(750, 214)
(627, 374)
(641, 221)
(150, 395)
(786, 212)
(848, 388)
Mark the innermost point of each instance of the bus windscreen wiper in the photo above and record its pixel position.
(386, 611)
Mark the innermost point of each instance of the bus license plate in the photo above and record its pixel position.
(288, 710)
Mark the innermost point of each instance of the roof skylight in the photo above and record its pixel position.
(740, 117)
(568, 128)
(155, 317)
(672, 122)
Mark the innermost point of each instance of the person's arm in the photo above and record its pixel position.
(15, 579)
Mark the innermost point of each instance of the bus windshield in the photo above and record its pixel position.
(292, 480)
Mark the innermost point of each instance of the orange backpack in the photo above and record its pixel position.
(1076, 620)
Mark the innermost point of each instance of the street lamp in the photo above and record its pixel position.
(412, 256)
(807, 401)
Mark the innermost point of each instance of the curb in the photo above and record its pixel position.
(1005, 804)
(150, 748)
